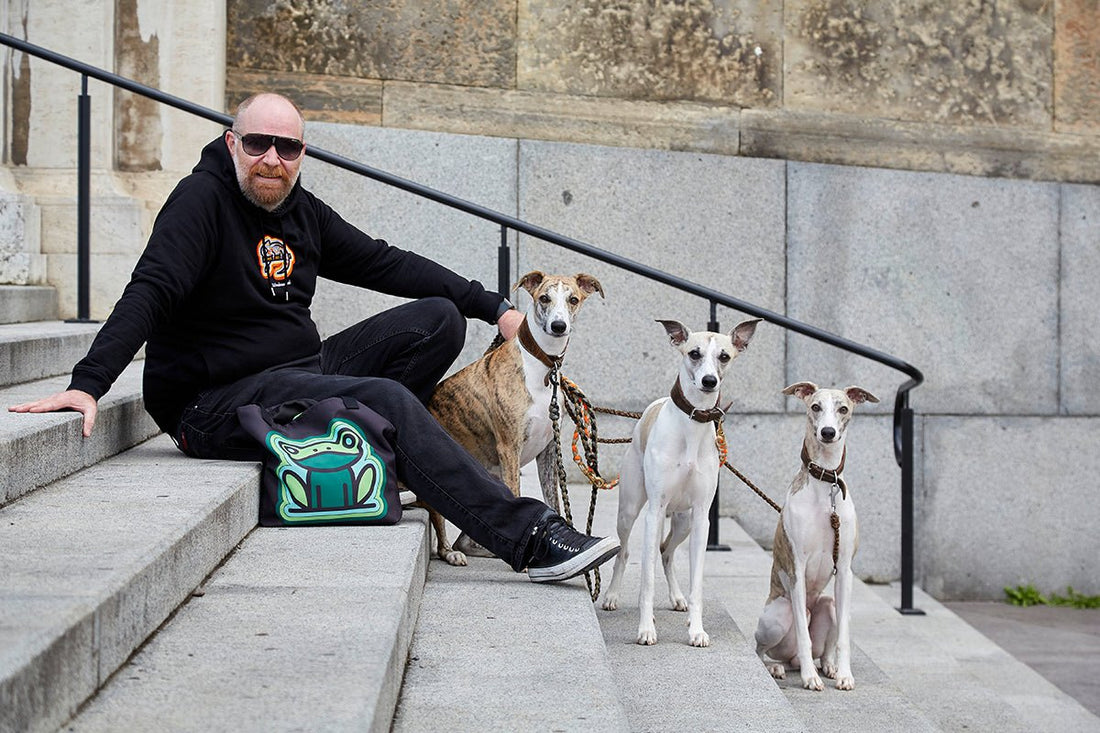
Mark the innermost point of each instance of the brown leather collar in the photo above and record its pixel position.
(821, 474)
(527, 341)
(714, 414)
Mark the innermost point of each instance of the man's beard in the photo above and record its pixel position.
(268, 199)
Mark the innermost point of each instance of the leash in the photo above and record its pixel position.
(592, 577)
(833, 477)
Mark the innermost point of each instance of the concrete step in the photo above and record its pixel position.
(92, 564)
(40, 349)
(495, 652)
(300, 629)
(738, 690)
(37, 449)
(910, 671)
(22, 303)
(932, 672)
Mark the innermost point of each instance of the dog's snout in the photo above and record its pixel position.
(558, 327)
(710, 382)
(828, 434)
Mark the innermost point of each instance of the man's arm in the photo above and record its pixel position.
(164, 273)
(71, 399)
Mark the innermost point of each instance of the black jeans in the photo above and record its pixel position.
(391, 363)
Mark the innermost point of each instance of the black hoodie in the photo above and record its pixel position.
(223, 288)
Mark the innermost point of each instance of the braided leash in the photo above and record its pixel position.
(592, 577)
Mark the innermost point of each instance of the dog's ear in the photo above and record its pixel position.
(530, 281)
(859, 394)
(801, 390)
(589, 284)
(742, 333)
(676, 331)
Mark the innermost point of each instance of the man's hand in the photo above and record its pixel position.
(72, 399)
(509, 323)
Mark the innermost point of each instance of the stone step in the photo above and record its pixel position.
(911, 671)
(24, 303)
(37, 449)
(41, 349)
(300, 629)
(931, 672)
(91, 565)
(495, 652)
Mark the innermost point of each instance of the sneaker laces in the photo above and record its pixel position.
(556, 532)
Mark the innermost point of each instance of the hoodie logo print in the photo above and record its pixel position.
(276, 263)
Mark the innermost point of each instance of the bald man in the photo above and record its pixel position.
(221, 299)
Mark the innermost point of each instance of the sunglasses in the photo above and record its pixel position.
(257, 144)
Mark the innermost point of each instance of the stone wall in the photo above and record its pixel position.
(995, 88)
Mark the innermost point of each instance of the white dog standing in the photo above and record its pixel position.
(672, 464)
(799, 623)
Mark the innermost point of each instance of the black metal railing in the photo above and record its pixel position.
(903, 413)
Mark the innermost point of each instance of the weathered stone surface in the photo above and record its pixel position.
(1080, 327)
(323, 98)
(137, 118)
(565, 118)
(969, 62)
(715, 221)
(1008, 501)
(449, 42)
(1077, 66)
(21, 261)
(957, 276)
(845, 139)
(727, 51)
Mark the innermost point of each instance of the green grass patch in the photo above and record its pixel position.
(1027, 595)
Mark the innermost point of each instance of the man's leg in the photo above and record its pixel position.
(522, 531)
(414, 344)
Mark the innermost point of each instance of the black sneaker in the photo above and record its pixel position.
(561, 552)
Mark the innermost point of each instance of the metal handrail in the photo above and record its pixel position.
(903, 413)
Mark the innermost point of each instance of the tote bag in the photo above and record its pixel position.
(326, 462)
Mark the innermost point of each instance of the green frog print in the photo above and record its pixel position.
(331, 477)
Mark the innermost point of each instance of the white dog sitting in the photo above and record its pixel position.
(815, 539)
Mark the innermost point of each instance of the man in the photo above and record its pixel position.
(221, 297)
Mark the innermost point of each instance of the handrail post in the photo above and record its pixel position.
(714, 544)
(83, 203)
(907, 511)
(504, 262)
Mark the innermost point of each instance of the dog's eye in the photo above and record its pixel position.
(573, 300)
(723, 357)
(815, 407)
(544, 298)
(695, 354)
(843, 410)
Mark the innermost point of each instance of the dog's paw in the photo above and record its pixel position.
(699, 639)
(828, 669)
(610, 602)
(470, 547)
(812, 682)
(777, 671)
(845, 682)
(456, 558)
(647, 637)
(679, 603)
